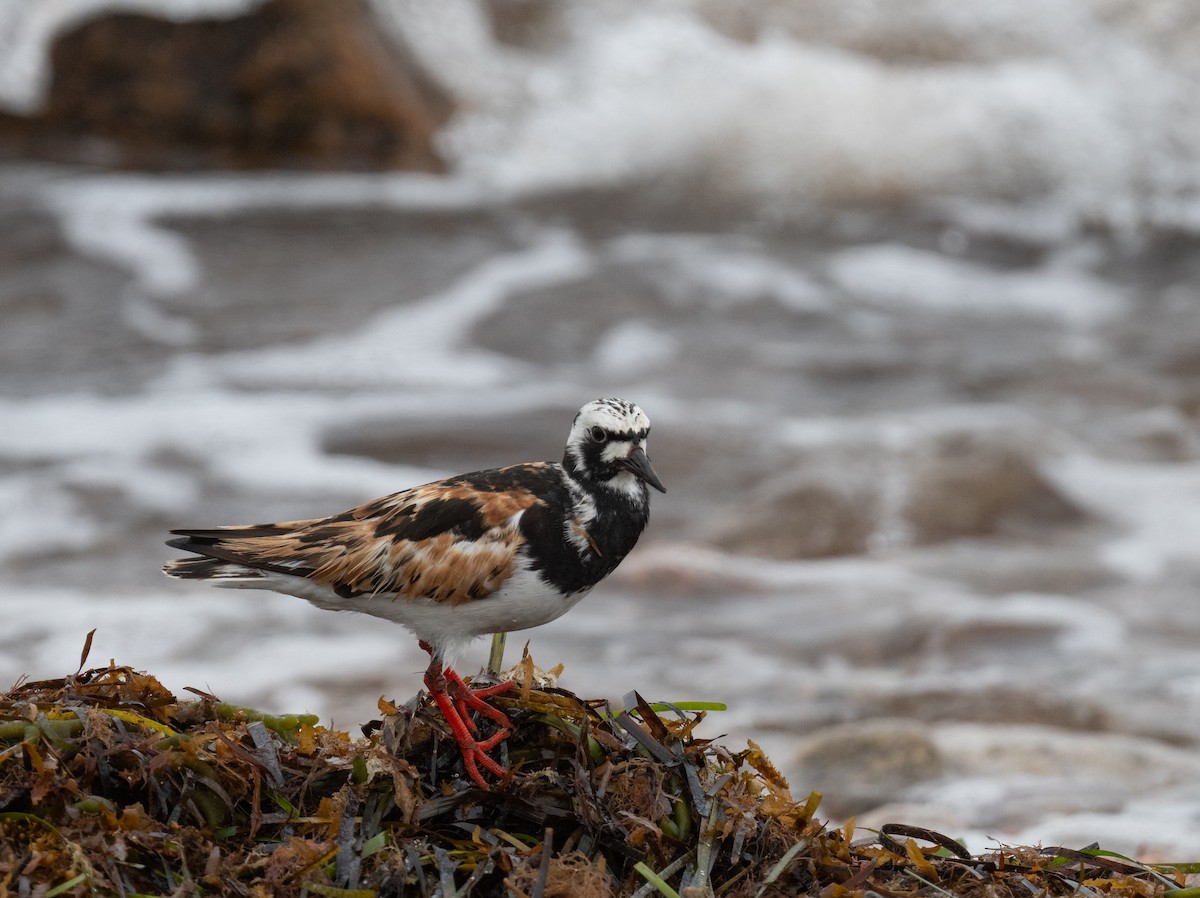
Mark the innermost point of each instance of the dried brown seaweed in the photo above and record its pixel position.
(111, 785)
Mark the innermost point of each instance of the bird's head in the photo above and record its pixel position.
(607, 447)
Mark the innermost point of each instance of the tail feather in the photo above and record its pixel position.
(233, 533)
(208, 569)
(223, 558)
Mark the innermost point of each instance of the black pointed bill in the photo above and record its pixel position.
(637, 462)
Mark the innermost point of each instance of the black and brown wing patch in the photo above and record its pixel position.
(452, 541)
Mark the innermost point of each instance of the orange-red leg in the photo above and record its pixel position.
(455, 699)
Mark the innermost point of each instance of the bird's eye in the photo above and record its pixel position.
(598, 434)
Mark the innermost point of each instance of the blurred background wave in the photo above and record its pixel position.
(909, 292)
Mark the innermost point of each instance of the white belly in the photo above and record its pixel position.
(525, 601)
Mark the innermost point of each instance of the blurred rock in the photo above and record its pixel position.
(1002, 705)
(1126, 764)
(802, 516)
(853, 494)
(453, 443)
(969, 484)
(1013, 778)
(1000, 567)
(528, 24)
(863, 765)
(297, 83)
(1160, 433)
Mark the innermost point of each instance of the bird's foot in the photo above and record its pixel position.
(471, 698)
(456, 700)
(474, 751)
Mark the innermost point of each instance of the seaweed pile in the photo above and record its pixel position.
(111, 785)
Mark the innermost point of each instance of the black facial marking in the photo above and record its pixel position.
(586, 461)
(630, 435)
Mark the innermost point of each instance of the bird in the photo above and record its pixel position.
(489, 551)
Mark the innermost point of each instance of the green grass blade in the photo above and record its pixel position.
(655, 880)
(65, 886)
(496, 656)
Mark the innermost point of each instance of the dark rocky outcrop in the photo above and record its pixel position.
(308, 84)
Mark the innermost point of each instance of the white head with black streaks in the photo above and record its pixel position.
(607, 449)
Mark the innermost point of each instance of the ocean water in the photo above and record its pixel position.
(909, 293)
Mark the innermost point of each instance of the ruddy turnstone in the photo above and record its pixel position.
(485, 552)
